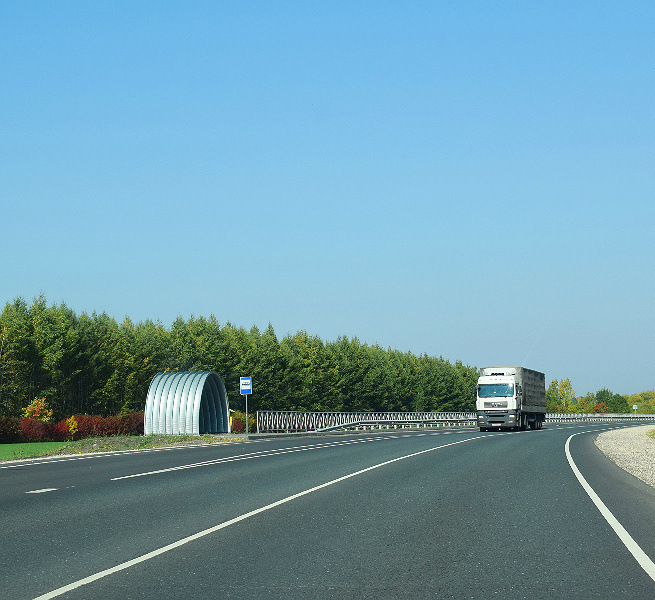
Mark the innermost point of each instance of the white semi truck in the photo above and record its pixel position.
(512, 397)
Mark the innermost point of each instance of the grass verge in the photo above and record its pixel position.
(109, 444)
(29, 449)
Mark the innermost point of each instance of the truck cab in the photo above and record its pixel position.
(497, 400)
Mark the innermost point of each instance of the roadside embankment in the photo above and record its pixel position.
(632, 449)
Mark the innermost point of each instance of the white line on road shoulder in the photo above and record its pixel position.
(640, 556)
(200, 534)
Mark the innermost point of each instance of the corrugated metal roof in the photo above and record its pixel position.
(190, 402)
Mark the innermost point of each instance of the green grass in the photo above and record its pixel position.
(109, 444)
(29, 449)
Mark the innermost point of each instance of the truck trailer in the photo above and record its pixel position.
(510, 397)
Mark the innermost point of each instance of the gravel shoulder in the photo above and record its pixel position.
(632, 449)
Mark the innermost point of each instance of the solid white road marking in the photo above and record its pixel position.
(201, 534)
(43, 491)
(640, 556)
(262, 454)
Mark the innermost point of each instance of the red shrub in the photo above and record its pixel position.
(88, 426)
(33, 430)
(9, 430)
(61, 431)
(110, 426)
(238, 425)
(92, 425)
(132, 423)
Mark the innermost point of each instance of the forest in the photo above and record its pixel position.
(90, 364)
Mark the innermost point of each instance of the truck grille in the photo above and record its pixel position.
(497, 404)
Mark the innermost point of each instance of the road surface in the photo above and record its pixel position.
(449, 513)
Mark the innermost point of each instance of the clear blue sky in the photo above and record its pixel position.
(468, 180)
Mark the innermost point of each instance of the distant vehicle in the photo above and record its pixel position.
(512, 397)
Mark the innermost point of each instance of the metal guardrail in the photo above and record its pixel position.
(601, 417)
(269, 421)
(382, 424)
(287, 421)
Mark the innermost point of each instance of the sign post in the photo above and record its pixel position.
(245, 385)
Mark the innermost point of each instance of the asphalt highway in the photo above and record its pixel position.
(449, 513)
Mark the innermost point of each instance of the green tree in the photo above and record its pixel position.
(352, 370)
(59, 361)
(553, 404)
(234, 346)
(465, 380)
(101, 338)
(120, 345)
(265, 364)
(308, 379)
(618, 404)
(560, 397)
(16, 358)
(586, 404)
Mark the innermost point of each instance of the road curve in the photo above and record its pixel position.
(446, 514)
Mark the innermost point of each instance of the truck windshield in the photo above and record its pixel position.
(494, 390)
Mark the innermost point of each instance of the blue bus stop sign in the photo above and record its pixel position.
(245, 383)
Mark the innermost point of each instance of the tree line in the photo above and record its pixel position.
(91, 364)
(560, 397)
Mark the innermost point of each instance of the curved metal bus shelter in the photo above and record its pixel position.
(192, 402)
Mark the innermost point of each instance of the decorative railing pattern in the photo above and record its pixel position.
(281, 421)
(291, 421)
